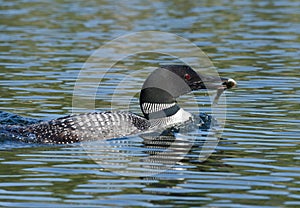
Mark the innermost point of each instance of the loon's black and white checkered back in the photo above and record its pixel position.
(90, 126)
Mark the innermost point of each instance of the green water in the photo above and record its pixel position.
(44, 45)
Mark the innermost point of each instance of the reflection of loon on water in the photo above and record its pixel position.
(157, 102)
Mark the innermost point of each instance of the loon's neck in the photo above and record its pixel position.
(160, 108)
(165, 114)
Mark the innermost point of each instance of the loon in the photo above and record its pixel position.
(157, 102)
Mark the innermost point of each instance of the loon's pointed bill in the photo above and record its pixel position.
(197, 81)
(194, 80)
(216, 83)
(212, 83)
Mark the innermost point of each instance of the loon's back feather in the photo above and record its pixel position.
(80, 127)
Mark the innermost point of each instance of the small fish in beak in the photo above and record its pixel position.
(227, 84)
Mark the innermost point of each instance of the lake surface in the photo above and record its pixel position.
(256, 163)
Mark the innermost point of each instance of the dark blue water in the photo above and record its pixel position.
(43, 47)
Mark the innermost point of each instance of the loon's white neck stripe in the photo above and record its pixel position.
(155, 107)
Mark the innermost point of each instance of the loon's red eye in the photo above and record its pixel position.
(187, 77)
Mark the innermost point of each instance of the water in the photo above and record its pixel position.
(255, 164)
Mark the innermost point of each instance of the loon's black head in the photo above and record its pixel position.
(166, 83)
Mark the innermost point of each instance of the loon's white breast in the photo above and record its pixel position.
(178, 118)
